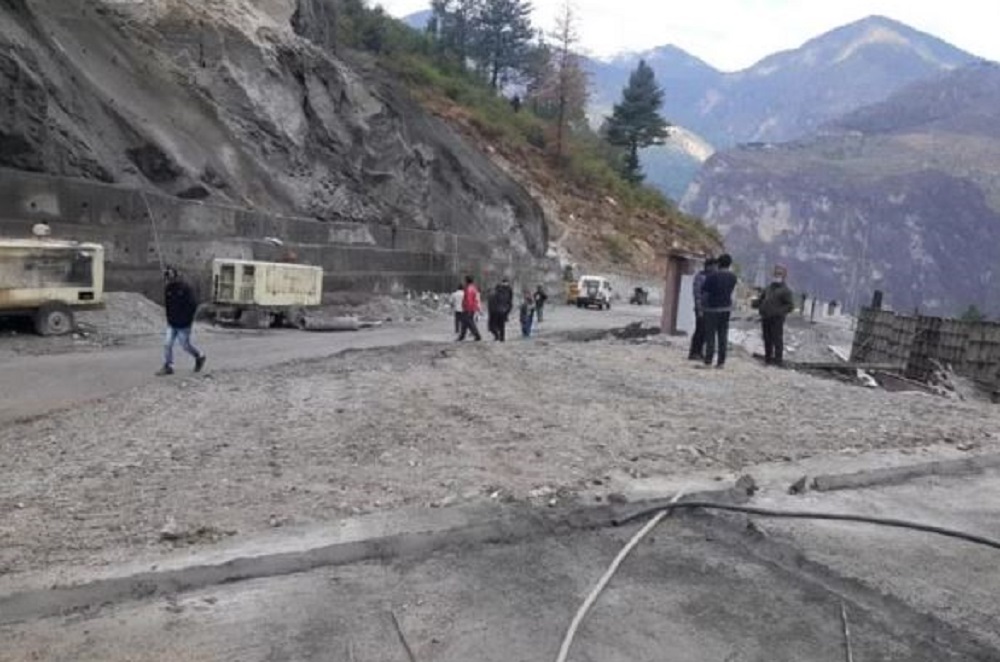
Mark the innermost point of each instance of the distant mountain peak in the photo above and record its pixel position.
(418, 20)
(876, 34)
(667, 54)
(868, 35)
(884, 35)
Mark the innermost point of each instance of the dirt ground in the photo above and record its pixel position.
(196, 459)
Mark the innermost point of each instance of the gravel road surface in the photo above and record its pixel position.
(234, 452)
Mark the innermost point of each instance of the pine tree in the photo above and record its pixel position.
(452, 25)
(636, 122)
(502, 38)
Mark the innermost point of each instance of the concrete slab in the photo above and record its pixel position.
(953, 581)
(682, 596)
(875, 467)
(383, 536)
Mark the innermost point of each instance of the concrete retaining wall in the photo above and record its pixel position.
(355, 256)
(972, 349)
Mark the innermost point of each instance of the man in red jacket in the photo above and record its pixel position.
(470, 308)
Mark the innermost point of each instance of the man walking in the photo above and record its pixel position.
(181, 305)
(776, 302)
(470, 308)
(527, 312)
(541, 296)
(697, 351)
(501, 302)
(717, 293)
(455, 302)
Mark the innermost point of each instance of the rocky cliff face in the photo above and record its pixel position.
(903, 196)
(242, 102)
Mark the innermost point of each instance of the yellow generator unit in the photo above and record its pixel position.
(48, 280)
(265, 294)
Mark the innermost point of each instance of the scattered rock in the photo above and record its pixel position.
(695, 452)
(746, 483)
(617, 498)
(170, 531)
(635, 331)
(800, 486)
(449, 500)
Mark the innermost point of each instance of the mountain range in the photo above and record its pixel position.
(902, 195)
(784, 96)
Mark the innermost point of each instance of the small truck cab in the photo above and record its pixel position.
(594, 291)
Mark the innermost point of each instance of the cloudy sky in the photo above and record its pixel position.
(733, 34)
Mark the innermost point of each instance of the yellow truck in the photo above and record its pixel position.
(264, 294)
(47, 280)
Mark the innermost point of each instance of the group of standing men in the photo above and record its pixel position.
(713, 289)
(466, 304)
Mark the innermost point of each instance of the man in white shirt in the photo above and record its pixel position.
(455, 301)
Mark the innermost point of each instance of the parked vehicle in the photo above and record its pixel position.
(48, 279)
(594, 291)
(640, 297)
(572, 292)
(264, 294)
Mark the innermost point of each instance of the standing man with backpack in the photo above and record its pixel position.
(717, 298)
(181, 305)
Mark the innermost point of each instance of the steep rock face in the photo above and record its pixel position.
(224, 102)
(903, 196)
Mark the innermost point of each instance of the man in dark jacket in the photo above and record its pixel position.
(181, 305)
(541, 296)
(717, 299)
(697, 351)
(776, 302)
(501, 302)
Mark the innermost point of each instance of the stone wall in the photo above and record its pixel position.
(368, 257)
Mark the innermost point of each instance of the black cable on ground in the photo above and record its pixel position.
(795, 514)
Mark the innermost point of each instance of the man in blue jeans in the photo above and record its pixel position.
(717, 302)
(181, 305)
